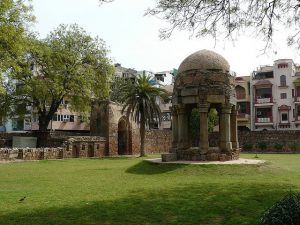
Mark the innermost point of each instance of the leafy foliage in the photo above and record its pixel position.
(118, 89)
(294, 146)
(70, 64)
(278, 146)
(262, 145)
(15, 16)
(140, 104)
(285, 211)
(213, 120)
(247, 146)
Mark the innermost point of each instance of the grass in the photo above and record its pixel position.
(131, 191)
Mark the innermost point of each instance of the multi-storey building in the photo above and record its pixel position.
(242, 90)
(275, 96)
(63, 120)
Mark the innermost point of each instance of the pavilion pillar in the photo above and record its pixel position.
(182, 138)
(203, 139)
(174, 129)
(225, 137)
(233, 128)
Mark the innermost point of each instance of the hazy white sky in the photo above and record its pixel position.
(133, 38)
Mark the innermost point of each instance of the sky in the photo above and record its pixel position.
(133, 39)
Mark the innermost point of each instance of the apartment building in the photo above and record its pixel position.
(275, 96)
(63, 120)
(242, 90)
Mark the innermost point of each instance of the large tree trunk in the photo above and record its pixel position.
(142, 134)
(43, 123)
(45, 117)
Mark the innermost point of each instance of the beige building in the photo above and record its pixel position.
(276, 96)
(242, 91)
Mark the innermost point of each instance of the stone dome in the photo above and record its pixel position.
(204, 60)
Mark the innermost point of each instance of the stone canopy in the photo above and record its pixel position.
(203, 82)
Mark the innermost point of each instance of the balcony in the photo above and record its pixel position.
(243, 117)
(297, 119)
(263, 101)
(297, 99)
(264, 121)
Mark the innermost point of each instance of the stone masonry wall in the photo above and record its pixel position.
(73, 147)
(286, 138)
(158, 141)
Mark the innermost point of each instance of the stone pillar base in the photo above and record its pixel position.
(168, 157)
(225, 146)
(194, 154)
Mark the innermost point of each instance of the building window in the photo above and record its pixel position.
(284, 117)
(283, 95)
(243, 107)
(293, 92)
(264, 92)
(282, 65)
(264, 112)
(282, 80)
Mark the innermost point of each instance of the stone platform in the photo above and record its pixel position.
(239, 161)
(194, 154)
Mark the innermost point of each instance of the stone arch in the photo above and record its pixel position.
(124, 137)
(91, 151)
(75, 151)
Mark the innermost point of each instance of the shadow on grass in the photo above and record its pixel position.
(230, 204)
(148, 168)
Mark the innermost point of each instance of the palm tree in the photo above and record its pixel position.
(139, 103)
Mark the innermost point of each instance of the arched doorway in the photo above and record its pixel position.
(91, 151)
(75, 151)
(123, 137)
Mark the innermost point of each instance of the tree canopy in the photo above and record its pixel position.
(15, 16)
(230, 18)
(140, 104)
(68, 64)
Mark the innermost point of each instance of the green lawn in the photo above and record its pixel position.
(131, 191)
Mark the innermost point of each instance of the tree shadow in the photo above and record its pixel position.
(149, 168)
(192, 204)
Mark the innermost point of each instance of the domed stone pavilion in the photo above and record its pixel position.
(203, 82)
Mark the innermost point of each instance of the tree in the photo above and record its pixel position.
(68, 64)
(140, 105)
(117, 87)
(15, 16)
(229, 18)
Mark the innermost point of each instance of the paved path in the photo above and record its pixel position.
(239, 161)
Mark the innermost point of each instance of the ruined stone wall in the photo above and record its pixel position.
(286, 138)
(158, 141)
(85, 146)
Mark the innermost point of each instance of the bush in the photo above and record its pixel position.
(278, 146)
(294, 146)
(248, 146)
(262, 145)
(285, 211)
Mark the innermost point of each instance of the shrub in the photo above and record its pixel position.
(262, 145)
(294, 146)
(278, 146)
(248, 146)
(285, 211)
